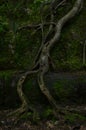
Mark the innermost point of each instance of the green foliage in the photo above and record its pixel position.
(67, 54)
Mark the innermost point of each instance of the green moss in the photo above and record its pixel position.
(6, 74)
(68, 53)
(63, 89)
(48, 113)
(71, 118)
(26, 116)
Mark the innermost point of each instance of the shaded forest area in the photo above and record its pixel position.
(42, 64)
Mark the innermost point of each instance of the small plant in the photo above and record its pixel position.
(48, 112)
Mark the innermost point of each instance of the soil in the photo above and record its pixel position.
(7, 123)
(45, 124)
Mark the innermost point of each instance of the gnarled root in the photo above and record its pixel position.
(46, 92)
(24, 107)
(18, 111)
(58, 110)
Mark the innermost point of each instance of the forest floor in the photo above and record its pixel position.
(45, 124)
(74, 122)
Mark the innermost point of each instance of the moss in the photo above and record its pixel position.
(68, 53)
(7, 74)
(48, 113)
(63, 89)
(71, 88)
(32, 90)
(72, 118)
(26, 116)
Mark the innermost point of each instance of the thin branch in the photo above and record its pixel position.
(42, 23)
(50, 27)
(35, 26)
(55, 4)
(45, 38)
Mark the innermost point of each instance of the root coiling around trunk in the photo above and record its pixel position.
(42, 62)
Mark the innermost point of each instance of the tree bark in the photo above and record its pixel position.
(42, 59)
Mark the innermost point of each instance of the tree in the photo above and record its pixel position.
(50, 38)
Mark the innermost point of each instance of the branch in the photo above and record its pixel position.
(35, 26)
(50, 27)
(63, 20)
(46, 37)
(56, 5)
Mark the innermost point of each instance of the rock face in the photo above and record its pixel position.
(68, 88)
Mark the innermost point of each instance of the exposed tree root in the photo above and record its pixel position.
(25, 103)
(78, 109)
(46, 92)
(44, 55)
(42, 63)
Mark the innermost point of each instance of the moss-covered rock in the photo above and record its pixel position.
(68, 88)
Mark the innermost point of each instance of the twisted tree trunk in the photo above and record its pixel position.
(41, 63)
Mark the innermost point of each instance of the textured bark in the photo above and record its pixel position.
(42, 58)
(63, 20)
(25, 102)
